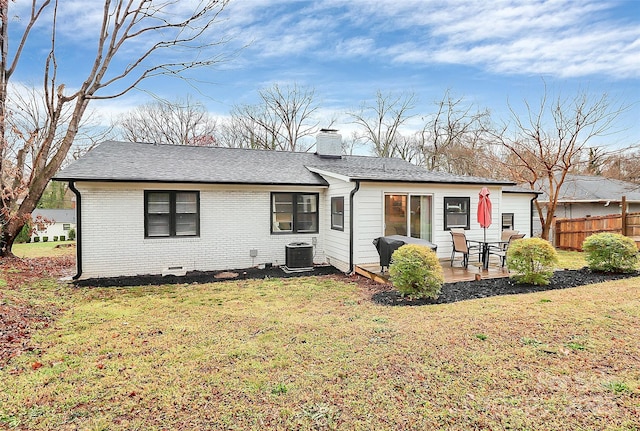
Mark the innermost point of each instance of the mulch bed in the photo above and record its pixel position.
(466, 290)
(204, 277)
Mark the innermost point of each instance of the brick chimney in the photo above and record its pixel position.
(329, 143)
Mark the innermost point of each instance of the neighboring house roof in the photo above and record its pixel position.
(519, 189)
(143, 162)
(588, 188)
(55, 215)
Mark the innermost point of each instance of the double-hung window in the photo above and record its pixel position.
(456, 213)
(294, 212)
(171, 213)
(507, 221)
(337, 213)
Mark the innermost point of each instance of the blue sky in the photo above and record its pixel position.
(491, 53)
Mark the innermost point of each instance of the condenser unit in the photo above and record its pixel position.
(298, 257)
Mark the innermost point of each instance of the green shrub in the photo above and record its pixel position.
(25, 233)
(532, 260)
(72, 234)
(45, 238)
(611, 252)
(36, 239)
(416, 271)
(62, 238)
(55, 238)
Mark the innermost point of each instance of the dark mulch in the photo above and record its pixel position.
(383, 294)
(204, 277)
(465, 290)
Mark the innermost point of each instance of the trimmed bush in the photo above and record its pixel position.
(72, 234)
(36, 239)
(532, 260)
(62, 238)
(45, 238)
(416, 271)
(611, 252)
(55, 238)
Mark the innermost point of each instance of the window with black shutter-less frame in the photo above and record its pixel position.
(456, 212)
(294, 213)
(171, 213)
(337, 213)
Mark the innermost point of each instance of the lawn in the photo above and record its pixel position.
(44, 249)
(316, 353)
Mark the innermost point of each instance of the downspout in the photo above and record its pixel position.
(76, 192)
(351, 223)
(531, 216)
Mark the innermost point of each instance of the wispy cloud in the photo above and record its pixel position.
(563, 38)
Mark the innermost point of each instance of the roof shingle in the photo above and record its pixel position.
(142, 162)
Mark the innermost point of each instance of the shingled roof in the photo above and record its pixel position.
(142, 162)
(590, 188)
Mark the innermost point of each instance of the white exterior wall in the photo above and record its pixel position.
(520, 205)
(369, 201)
(336, 241)
(233, 221)
(52, 230)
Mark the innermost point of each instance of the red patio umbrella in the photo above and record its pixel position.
(484, 210)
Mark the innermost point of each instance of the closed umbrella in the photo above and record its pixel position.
(484, 210)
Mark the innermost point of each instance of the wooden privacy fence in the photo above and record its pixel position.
(570, 233)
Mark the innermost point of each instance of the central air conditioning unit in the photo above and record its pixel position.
(298, 257)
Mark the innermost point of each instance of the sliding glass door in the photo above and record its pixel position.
(408, 215)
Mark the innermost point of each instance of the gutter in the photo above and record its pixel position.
(351, 223)
(76, 192)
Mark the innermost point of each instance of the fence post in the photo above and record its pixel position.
(623, 203)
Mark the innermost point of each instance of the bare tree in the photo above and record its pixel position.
(251, 126)
(28, 122)
(382, 120)
(455, 138)
(280, 121)
(159, 32)
(547, 143)
(622, 165)
(178, 122)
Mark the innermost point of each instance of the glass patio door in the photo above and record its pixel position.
(420, 218)
(395, 215)
(408, 215)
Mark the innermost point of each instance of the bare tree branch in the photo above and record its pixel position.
(380, 121)
(159, 30)
(551, 141)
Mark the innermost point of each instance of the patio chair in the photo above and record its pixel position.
(461, 245)
(501, 252)
(506, 234)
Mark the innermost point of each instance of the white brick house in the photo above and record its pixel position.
(52, 224)
(153, 209)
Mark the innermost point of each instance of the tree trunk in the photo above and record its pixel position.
(9, 234)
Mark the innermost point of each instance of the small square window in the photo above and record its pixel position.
(456, 213)
(507, 221)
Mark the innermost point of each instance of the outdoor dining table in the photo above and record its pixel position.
(485, 245)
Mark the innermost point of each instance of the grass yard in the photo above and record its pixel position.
(44, 249)
(317, 354)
